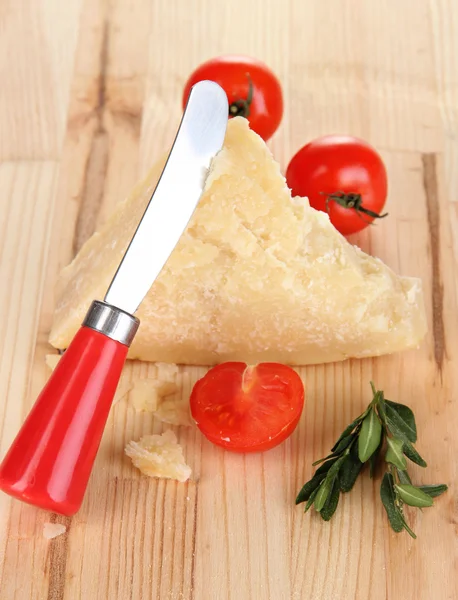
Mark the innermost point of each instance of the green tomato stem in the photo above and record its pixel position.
(354, 202)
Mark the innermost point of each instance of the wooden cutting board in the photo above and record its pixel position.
(90, 97)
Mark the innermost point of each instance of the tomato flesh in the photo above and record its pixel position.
(339, 164)
(248, 408)
(234, 73)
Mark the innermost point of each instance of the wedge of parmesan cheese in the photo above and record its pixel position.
(159, 456)
(257, 276)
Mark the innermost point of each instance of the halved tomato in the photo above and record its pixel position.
(248, 408)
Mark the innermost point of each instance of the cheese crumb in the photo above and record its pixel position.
(174, 412)
(167, 371)
(159, 456)
(152, 394)
(147, 394)
(122, 390)
(51, 361)
(52, 530)
(160, 395)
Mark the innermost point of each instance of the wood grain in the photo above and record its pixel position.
(90, 98)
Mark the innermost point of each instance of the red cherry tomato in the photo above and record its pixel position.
(252, 89)
(343, 176)
(248, 409)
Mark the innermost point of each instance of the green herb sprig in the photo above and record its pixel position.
(384, 426)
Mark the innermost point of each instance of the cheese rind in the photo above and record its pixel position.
(257, 276)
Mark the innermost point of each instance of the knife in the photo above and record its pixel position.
(51, 458)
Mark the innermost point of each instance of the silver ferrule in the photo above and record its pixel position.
(112, 322)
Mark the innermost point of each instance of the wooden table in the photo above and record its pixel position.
(89, 98)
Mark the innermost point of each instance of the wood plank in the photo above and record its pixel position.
(348, 79)
(26, 223)
(37, 44)
(444, 23)
(101, 145)
(107, 104)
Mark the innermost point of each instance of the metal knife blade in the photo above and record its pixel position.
(200, 136)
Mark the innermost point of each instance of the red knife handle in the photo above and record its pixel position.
(50, 461)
